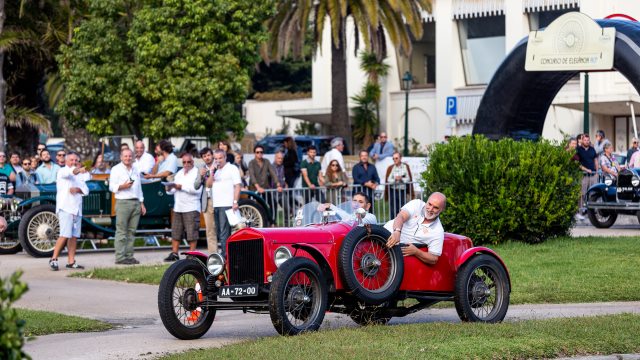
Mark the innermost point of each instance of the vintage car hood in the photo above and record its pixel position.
(313, 234)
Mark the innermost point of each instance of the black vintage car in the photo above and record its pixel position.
(33, 224)
(612, 196)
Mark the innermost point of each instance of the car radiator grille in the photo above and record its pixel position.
(246, 259)
(625, 191)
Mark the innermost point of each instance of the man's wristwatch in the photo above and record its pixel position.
(397, 229)
(235, 201)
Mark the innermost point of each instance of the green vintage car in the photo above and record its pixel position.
(33, 224)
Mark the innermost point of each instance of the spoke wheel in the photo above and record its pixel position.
(9, 245)
(371, 271)
(482, 290)
(39, 229)
(601, 218)
(253, 212)
(181, 293)
(298, 297)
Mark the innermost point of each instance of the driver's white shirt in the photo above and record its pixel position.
(369, 218)
(414, 231)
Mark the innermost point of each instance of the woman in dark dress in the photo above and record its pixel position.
(226, 147)
(290, 162)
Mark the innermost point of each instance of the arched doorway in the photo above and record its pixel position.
(516, 101)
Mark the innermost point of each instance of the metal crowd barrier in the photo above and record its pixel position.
(387, 199)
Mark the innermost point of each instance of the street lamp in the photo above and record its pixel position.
(407, 81)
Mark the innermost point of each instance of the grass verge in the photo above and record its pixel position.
(45, 323)
(142, 274)
(518, 340)
(562, 270)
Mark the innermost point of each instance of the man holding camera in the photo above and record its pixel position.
(124, 182)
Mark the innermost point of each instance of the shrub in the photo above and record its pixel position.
(11, 327)
(499, 190)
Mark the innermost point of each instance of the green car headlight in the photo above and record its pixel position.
(215, 264)
(281, 255)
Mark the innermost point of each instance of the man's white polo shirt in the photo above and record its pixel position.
(65, 200)
(414, 231)
(223, 188)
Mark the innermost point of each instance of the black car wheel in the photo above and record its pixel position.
(600, 218)
(254, 213)
(181, 291)
(9, 245)
(39, 230)
(482, 290)
(298, 297)
(371, 271)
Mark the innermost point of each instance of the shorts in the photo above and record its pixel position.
(70, 224)
(185, 222)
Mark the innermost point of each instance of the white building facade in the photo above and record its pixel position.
(463, 44)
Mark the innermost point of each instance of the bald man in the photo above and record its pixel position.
(418, 222)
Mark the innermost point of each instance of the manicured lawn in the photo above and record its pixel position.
(44, 323)
(518, 340)
(143, 274)
(563, 270)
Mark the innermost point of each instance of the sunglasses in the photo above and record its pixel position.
(396, 158)
(334, 165)
(61, 154)
(188, 162)
(26, 163)
(259, 152)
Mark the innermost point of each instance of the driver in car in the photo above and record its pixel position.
(359, 201)
(419, 223)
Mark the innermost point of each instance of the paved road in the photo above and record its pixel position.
(140, 333)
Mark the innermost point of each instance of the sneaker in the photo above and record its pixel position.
(129, 261)
(53, 264)
(172, 257)
(75, 266)
(579, 217)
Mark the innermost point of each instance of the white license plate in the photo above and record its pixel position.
(238, 290)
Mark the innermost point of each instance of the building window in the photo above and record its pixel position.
(482, 41)
(542, 19)
(422, 63)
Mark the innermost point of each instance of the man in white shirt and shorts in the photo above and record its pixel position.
(419, 223)
(70, 189)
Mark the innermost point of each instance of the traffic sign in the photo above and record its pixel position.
(452, 105)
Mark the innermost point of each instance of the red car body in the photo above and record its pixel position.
(336, 266)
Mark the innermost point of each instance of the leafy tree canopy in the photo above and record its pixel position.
(166, 67)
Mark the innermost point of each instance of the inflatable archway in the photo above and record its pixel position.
(516, 102)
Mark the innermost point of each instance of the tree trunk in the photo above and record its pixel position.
(340, 122)
(3, 83)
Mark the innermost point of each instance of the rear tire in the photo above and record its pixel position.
(298, 297)
(253, 212)
(9, 245)
(482, 290)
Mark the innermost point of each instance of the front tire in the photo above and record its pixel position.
(181, 289)
(601, 218)
(39, 230)
(372, 272)
(298, 297)
(482, 290)
(9, 245)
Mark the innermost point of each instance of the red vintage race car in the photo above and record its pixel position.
(297, 274)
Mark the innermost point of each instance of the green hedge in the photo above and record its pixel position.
(11, 327)
(504, 190)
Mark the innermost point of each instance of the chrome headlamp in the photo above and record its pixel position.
(215, 264)
(281, 255)
(608, 181)
(635, 181)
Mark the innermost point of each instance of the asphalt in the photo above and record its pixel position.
(139, 333)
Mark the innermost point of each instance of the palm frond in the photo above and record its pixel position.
(20, 117)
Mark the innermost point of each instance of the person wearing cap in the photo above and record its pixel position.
(337, 146)
(632, 150)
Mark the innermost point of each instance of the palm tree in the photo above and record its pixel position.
(371, 18)
(373, 64)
